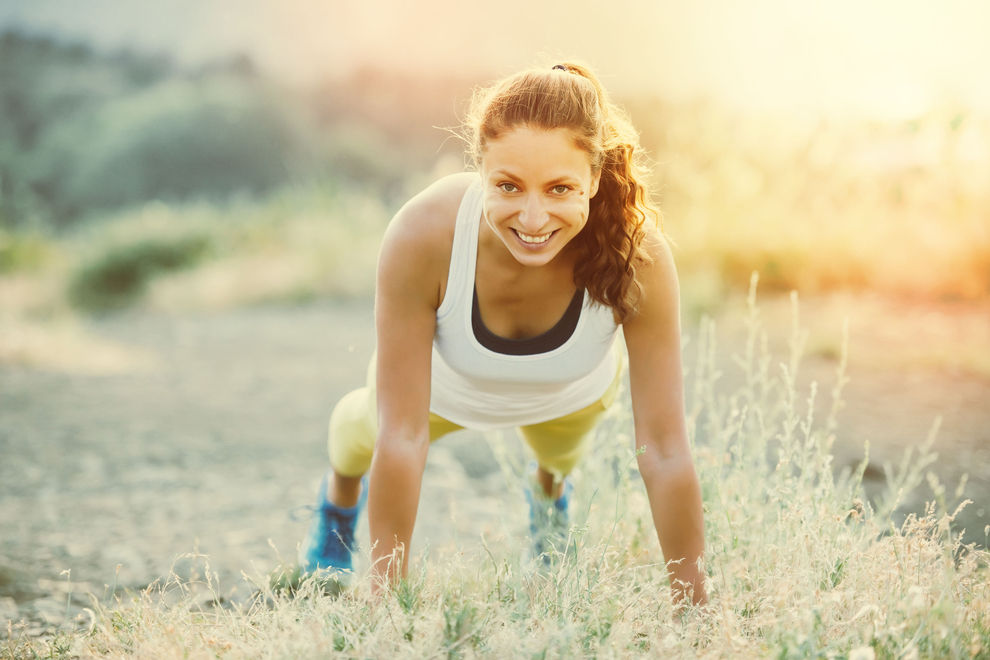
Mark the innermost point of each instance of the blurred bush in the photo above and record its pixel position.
(116, 276)
(85, 133)
(44, 84)
(22, 251)
(296, 244)
(177, 140)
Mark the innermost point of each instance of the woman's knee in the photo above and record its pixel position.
(560, 443)
(351, 434)
(554, 453)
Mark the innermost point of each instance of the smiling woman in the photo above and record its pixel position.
(499, 298)
(538, 185)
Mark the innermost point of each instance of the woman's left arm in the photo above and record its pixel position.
(652, 336)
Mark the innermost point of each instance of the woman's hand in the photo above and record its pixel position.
(412, 270)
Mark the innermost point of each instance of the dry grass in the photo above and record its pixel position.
(800, 562)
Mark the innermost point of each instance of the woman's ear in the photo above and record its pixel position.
(596, 178)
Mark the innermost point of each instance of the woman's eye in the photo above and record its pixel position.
(507, 187)
(560, 189)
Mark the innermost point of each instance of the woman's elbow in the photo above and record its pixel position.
(672, 466)
(402, 440)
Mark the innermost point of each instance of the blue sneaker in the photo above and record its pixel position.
(330, 541)
(549, 521)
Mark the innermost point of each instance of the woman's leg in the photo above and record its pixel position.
(351, 443)
(351, 440)
(560, 443)
(330, 542)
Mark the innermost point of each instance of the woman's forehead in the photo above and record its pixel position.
(527, 146)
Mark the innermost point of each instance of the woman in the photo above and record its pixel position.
(499, 295)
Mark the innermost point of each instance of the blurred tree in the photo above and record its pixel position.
(44, 83)
(175, 140)
(83, 132)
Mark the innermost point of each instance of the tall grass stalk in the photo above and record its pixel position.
(800, 562)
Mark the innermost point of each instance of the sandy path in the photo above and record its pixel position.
(209, 448)
(221, 433)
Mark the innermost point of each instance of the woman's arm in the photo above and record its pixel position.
(412, 268)
(653, 341)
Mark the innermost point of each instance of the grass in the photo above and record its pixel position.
(800, 562)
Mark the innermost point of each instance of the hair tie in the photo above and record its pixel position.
(560, 67)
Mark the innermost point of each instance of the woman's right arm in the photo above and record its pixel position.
(412, 266)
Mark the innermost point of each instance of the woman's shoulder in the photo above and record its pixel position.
(428, 218)
(437, 204)
(417, 243)
(656, 276)
(657, 246)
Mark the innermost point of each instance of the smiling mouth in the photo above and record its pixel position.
(534, 239)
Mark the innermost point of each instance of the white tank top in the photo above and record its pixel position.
(480, 388)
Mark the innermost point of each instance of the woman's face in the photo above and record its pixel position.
(538, 185)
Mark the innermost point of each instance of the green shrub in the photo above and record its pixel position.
(22, 251)
(116, 277)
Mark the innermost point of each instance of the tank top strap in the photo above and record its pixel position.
(463, 252)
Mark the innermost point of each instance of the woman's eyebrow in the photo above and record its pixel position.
(563, 178)
(505, 173)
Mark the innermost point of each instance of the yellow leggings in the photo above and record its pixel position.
(558, 443)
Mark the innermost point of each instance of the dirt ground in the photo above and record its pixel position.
(205, 433)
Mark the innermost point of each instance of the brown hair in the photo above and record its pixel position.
(569, 96)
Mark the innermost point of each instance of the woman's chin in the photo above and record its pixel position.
(527, 258)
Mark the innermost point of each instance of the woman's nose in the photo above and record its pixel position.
(533, 215)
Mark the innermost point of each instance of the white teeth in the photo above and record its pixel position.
(527, 238)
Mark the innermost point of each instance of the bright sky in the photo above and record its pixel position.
(887, 58)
